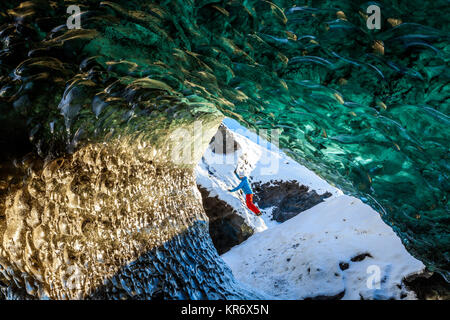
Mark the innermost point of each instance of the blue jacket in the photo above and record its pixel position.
(244, 185)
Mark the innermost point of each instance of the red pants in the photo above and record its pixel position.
(251, 205)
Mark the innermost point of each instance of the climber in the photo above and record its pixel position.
(245, 186)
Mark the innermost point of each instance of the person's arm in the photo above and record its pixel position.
(237, 188)
(237, 176)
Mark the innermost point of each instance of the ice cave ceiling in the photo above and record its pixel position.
(365, 109)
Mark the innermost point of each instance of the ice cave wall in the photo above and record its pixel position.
(365, 109)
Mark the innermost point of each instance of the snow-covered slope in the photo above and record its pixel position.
(304, 256)
(310, 255)
(262, 162)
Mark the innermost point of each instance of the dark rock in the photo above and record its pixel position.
(223, 142)
(338, 296)
(343, 266)
(288, 197)
(226, 227)
(428, 286)
(361, 257)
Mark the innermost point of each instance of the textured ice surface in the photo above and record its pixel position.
(110, 221)
(366, 110)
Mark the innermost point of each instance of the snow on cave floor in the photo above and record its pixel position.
(339, 248)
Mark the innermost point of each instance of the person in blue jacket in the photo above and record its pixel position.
(247, 189)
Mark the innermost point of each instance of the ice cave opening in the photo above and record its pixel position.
(312, 241)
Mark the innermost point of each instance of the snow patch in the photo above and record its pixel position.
(301, 257)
